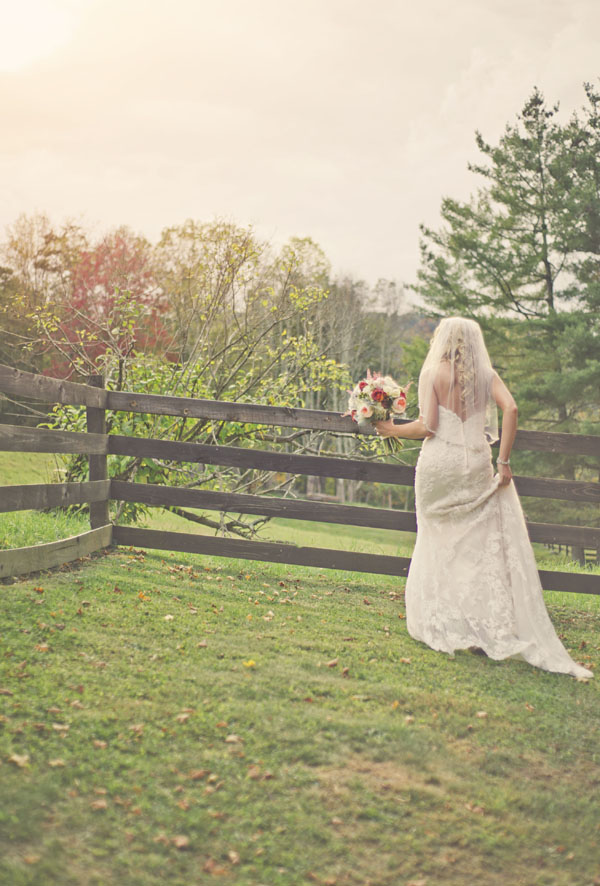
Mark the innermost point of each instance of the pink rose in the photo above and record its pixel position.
(365, 411)
(399, 404)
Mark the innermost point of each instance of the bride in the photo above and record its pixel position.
(473, 579)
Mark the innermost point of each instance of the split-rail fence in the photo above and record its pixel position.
(99, 490)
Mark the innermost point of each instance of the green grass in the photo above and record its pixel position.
(27, 467)
(125, 679)
(22, 528)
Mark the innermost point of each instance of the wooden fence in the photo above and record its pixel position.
(99, 490)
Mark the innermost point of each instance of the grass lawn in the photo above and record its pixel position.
(170, 718)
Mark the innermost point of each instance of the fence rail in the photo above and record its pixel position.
(99, 490)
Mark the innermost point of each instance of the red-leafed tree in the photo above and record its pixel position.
(83, 306)
(113, 306)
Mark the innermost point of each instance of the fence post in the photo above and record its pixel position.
(98, 464)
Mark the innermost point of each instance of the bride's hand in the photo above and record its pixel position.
(505, 474)
(385, 428)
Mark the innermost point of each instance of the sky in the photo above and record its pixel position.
(340, 120)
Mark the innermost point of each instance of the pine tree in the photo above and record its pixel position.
(522, 257)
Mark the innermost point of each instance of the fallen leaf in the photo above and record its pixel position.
(233, 739)
(405, 660)
(345, 671)
(99, 743)
(233, 856)
(417, 883)
(61, 727)
(138, 728)
(211, 867)
(182, 718)
(56, 763)
(253, 772)
(409, 719)
(478, 810)
(336, 821)
(202, 644)
(42, 647)
(250, 663)
(31, 859)
(529, 706)
(481, 714)
(20, 760)
(5, 692)
(332, 663)
(98, 805)
(366, 602)
(169, 617)
(197, 774)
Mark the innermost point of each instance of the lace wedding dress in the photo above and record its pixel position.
(473, 579)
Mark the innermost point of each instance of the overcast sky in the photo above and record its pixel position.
(343, 120)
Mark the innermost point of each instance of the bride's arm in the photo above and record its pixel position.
(506, 402)
(412, 430)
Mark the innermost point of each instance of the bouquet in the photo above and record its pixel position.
(376, 398)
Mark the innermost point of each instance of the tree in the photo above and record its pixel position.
(522, 257)
(235, 330)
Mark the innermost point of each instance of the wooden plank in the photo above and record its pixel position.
(320, 512)
(570, 582)
(49, 390)
(321, 558)
(98, 464)
(554, 441)
(52, 495)
(14, 438)
(326, 466)
(316, 419)
(232, 456)
(224, 410)
(556, 533)
(20, 561)
(271, 552)
(566, 490)
(264, 505)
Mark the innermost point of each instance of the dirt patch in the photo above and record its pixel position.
(385, 776)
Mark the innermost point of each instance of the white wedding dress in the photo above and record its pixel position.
(473, 578)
